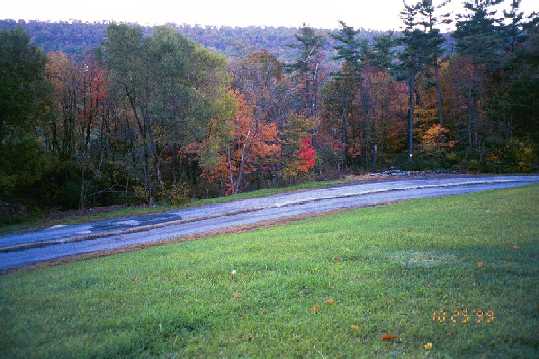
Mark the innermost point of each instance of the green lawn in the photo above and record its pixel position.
(319, 288)
(37, 221)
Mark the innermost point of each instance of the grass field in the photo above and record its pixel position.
(326, 287)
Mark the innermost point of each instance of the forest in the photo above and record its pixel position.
(124, 114)
(76, 38)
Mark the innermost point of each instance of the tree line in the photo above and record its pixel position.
(75, 38)
(156, 117)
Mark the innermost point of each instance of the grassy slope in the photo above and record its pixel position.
(42, 221)
(395, 265)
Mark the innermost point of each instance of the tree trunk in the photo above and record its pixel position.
(344, 136)
(242, 162)
(147, 180)
(365, 124)
(82, 189)
(144, 134)
(374, 156)
(314, 95)
(157, 165)
(411, 90)
(439, 95)
(472, 119)
(230, 173)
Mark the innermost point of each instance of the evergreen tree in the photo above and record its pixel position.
(412, 60)
(349, 49)
(478, 33)
(383, 55)
(514, 34)
(434, 45)
(307, 67)
(478, 39)
(347, 82)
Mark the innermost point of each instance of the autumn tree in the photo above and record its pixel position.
(299, 155)
(236, 147)
(260, 78)
(80, 92)
(387, 100)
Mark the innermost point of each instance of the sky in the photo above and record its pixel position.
(370, 14)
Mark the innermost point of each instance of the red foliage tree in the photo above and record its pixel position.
(306, 156)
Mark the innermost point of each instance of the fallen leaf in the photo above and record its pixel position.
(338, 259)
(480, 264)
(315, 309)
(330, 301)
(515, 247)
(236, 295)
(388, 337)
(427, 346)
(355, 328)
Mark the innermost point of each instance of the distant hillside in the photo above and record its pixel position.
(75, 38)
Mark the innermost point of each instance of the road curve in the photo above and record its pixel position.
(27, 248)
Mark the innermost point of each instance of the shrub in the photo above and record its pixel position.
(177, 194)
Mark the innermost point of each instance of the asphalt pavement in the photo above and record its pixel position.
(60, 241)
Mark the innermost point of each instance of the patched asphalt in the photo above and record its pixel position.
(30, 247)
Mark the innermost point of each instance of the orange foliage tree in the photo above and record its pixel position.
(240, 146)
(436, 138)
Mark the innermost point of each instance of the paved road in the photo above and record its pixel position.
(26, 248)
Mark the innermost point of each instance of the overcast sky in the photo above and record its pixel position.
(373, 14)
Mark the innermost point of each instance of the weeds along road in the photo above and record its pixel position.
(60, 241)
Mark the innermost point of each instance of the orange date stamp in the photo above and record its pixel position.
(464, 316)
